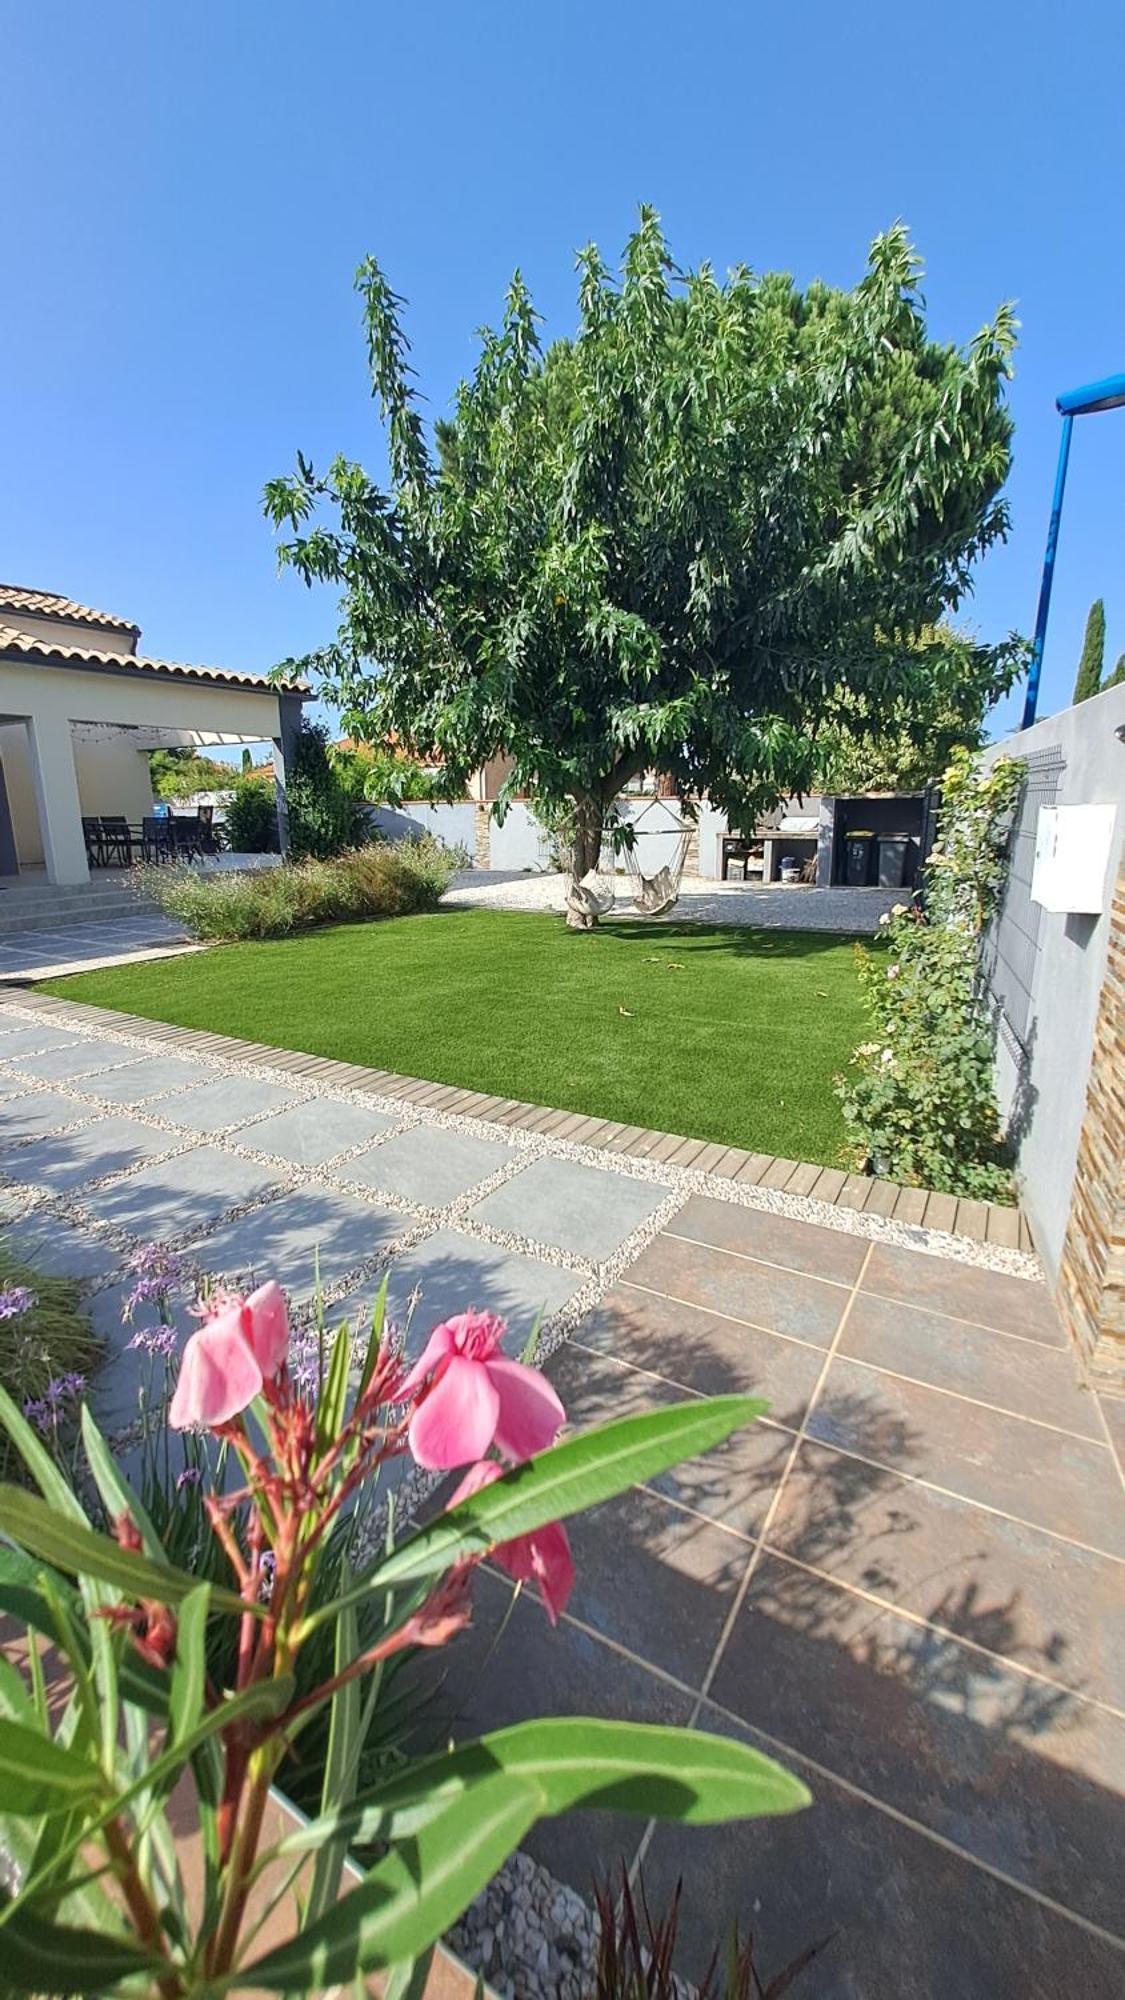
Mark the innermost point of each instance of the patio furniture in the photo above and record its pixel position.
(92, 835)
(156, 840)
(117, 841)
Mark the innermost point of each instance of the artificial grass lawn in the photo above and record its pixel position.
(719, 1033)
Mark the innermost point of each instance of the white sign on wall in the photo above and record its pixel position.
(1073, 845)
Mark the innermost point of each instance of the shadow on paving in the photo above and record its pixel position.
(1019, 1775)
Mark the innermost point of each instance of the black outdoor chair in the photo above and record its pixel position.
(92, 835)
(186, 836)
(208, 837)
(156, 840)
(117, 841)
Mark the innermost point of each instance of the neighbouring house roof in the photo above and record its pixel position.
(48, 604)
(24, 646)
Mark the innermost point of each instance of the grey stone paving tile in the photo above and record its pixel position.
(57, 1250)
(311, 1133)
(38, 1111)
(146, 1078)
(903, 1918)
(1041, 1603)
(227, 1101)
(284, 1239)
(453, 1272)
(586, 1211)
(428, 1164)
(20, 1037)
(782, 1301)
(699, 1351)
(60, 1064)
(164, 1202)
(1020, 1774)
(67, 1160)
(1046, 1478)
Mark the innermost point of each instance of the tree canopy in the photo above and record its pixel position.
(907, 740)
(677, 541)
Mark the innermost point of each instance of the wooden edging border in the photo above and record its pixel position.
(979, 1221)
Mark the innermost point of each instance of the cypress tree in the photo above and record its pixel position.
(1089, 678)
(1118, 673)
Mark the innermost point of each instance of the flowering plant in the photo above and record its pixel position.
(89, 1766)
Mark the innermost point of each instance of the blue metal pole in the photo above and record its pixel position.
(1032, 698)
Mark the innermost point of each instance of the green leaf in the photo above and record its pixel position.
(375, 1338)
(408, 1981)
(38, 1776)
(24, 1595)
(117, 1496)
(340, 1764)
(409, 1898)
(39, 1461)
(41, 1957)
(570, 1477)
(333, 1399)
(189, 1669)
(78, 1550)
(635, 1767)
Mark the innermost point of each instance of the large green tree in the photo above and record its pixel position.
(1089, 677)
(674, 542)
(900, 744)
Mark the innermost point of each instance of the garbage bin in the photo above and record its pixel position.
(857, 859)
(893, 850)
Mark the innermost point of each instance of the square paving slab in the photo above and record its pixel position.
(228, 1101)
(429, 1164)
(52, 1247)
(164, 1202)
(36, 1111)
(69, 1159)
(452, 1272)
(58, 1065)
(146, 1078)
(314, 1132)
(581, 1210)
(15, 1037)
(285, 1238)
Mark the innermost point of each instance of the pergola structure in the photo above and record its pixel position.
(80, 709)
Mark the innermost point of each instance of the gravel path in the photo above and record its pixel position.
(702, 901)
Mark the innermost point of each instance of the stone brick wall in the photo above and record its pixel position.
(1091, 1284)
(482, 837)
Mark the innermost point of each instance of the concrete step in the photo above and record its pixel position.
(51, 916)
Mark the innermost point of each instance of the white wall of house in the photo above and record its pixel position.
(49, 700)
(450, 823)
(520, 843)
(113, 777)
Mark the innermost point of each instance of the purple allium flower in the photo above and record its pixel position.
(16, 1300)
(156, 1269)
(37, 1412)
(161, 1340)
(190, 1476)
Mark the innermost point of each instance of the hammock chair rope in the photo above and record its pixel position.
(653, 895)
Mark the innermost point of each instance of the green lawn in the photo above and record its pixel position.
(724, 1034)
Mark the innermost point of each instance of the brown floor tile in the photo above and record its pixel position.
(1018, 1375)
(904, 1918)
(700, 1351)
(734, 1483)
(775, 1239)
(655, 1580)
(1056, 1609)
(1021, 1775)
(783, 1301)
(1113, 1408)
(487, 1679)
(1053, 1481)
(1013, 1305)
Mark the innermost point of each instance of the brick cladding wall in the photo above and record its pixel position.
(1091, 1287)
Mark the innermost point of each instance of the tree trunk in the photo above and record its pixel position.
(586, 847)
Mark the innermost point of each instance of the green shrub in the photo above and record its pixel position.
(251, 819)
(325, 816)
(378, 880)
(47, 1347)
(919, 1099)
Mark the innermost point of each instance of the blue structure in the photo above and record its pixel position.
(1084, 402)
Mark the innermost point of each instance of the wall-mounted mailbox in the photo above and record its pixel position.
(1072, 852)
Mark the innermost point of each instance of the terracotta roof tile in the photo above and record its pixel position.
(48, 604)
(36, 651)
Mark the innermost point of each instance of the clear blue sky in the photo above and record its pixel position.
(189, 190)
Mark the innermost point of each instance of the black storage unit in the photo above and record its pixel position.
(858, 851)
(894, 850)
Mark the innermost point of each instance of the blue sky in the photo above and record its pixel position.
(189, 190)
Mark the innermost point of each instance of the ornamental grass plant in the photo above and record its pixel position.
(376, 880)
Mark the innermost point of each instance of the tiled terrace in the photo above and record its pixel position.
(906, 1581)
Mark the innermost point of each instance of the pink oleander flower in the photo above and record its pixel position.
(477, 1397)
(543, 1557)
(228, 1359)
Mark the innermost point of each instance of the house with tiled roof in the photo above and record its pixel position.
(81, 708)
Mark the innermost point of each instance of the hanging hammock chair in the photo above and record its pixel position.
(655, 894)
(594, 895)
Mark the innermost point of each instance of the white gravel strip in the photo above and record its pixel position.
(702, 901)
